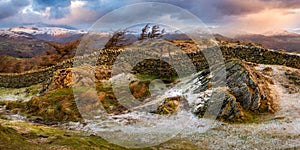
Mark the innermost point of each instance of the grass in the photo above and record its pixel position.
(57, 106)
(24, 135)
(20, 93)
(11, 139)
(149, 78)
(60, 106)
(107, 98)
(254, 117)
(29, 136)
(54, 106)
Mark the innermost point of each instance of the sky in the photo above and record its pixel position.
(224, 16)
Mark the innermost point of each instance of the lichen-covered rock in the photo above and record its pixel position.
(169, 106)
(231, 109)
(249, 86)
(247, 90)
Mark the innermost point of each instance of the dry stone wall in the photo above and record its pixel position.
(154, 67)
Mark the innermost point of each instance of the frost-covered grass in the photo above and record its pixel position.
(21, 94)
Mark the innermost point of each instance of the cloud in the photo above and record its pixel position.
(146, 13)
(77, 15)
(238, 7)
(264, 21)
(250, 15)
(57, 8)
(10, 8)
(85, 13)
(291, 4)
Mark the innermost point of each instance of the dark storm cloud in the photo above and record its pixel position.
(101, 7)
(147, 13)
(209, 11)
(201, 8)
(10, 8)
(214, 12)
(58, 8)
(216, 9)
(238, 7)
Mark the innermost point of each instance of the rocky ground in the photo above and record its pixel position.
(277, 130)
(260, 108)
(280, 130)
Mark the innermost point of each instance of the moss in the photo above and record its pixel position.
(252, 117)
(11, 139)
(29, 136)
(33, 90)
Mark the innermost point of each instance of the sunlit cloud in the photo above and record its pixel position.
(261, 22)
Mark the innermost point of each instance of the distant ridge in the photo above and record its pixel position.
(40, 24)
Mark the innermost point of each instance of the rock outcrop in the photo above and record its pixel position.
(248, 91)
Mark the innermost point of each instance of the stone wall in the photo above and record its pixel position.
(154, 67)
(261, 55)
(253, 54)
(17, 80)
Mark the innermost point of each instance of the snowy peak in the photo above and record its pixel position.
(280, 33)
(54, 31)
(48, 34)
(12, 34)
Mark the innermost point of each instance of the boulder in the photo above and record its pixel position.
(247, 91)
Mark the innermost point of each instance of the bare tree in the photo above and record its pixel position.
(118, 37)
(154, 33)
(144, 33)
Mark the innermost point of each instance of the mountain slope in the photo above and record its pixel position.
(278, 41)
(21, 45)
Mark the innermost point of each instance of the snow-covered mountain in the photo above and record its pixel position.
(34, 40)
(54, 31)
(280, 33)
(48, 34)
(277, 40)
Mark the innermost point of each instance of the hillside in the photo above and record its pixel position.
(34, 47)
(258, 81)
(277, 41)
